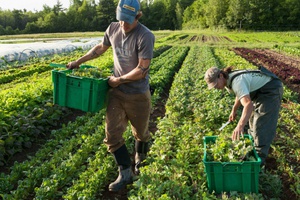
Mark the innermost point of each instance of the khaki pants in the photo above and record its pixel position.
(122, 108)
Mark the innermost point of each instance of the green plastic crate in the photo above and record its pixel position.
(86, 94)
(232, 176)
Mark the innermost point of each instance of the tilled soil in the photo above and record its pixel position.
(206, 38)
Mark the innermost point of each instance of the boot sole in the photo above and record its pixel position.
(118, 189)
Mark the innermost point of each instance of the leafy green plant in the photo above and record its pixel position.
(270, 185)
(91, 73)
(224, 149)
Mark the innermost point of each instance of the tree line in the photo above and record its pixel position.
(89, 15)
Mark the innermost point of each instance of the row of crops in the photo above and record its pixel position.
(74, 162)
(71, 155)
(174, 168)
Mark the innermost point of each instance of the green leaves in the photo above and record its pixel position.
(94, 73)
(224, 149)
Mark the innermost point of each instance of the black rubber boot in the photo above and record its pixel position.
(141, 149)
(125, 173)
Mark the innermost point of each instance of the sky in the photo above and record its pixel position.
(31, 5)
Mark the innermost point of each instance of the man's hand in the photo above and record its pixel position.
(114, 81)
(72, 65)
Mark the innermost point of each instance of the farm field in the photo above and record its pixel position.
(52, 152)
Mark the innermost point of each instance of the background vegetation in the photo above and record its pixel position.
(89, 15)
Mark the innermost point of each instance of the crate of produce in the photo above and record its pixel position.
(240, 176)
(79, 92)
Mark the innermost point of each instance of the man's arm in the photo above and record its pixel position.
(95, 52)
(137, 73)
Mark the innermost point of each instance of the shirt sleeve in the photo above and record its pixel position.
(106, 40)
(241, 87)
(146, 46)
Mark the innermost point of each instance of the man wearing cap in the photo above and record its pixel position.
(260, 93)
(129, 98)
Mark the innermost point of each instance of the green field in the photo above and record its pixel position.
(52, 152)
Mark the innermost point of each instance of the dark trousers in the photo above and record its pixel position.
(263, 121)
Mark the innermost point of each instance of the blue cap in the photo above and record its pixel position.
(127, 10)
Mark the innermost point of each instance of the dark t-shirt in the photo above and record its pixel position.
(127, 50)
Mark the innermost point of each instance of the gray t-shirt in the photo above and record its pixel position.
(127, 50)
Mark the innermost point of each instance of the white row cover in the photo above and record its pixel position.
(24, 51)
